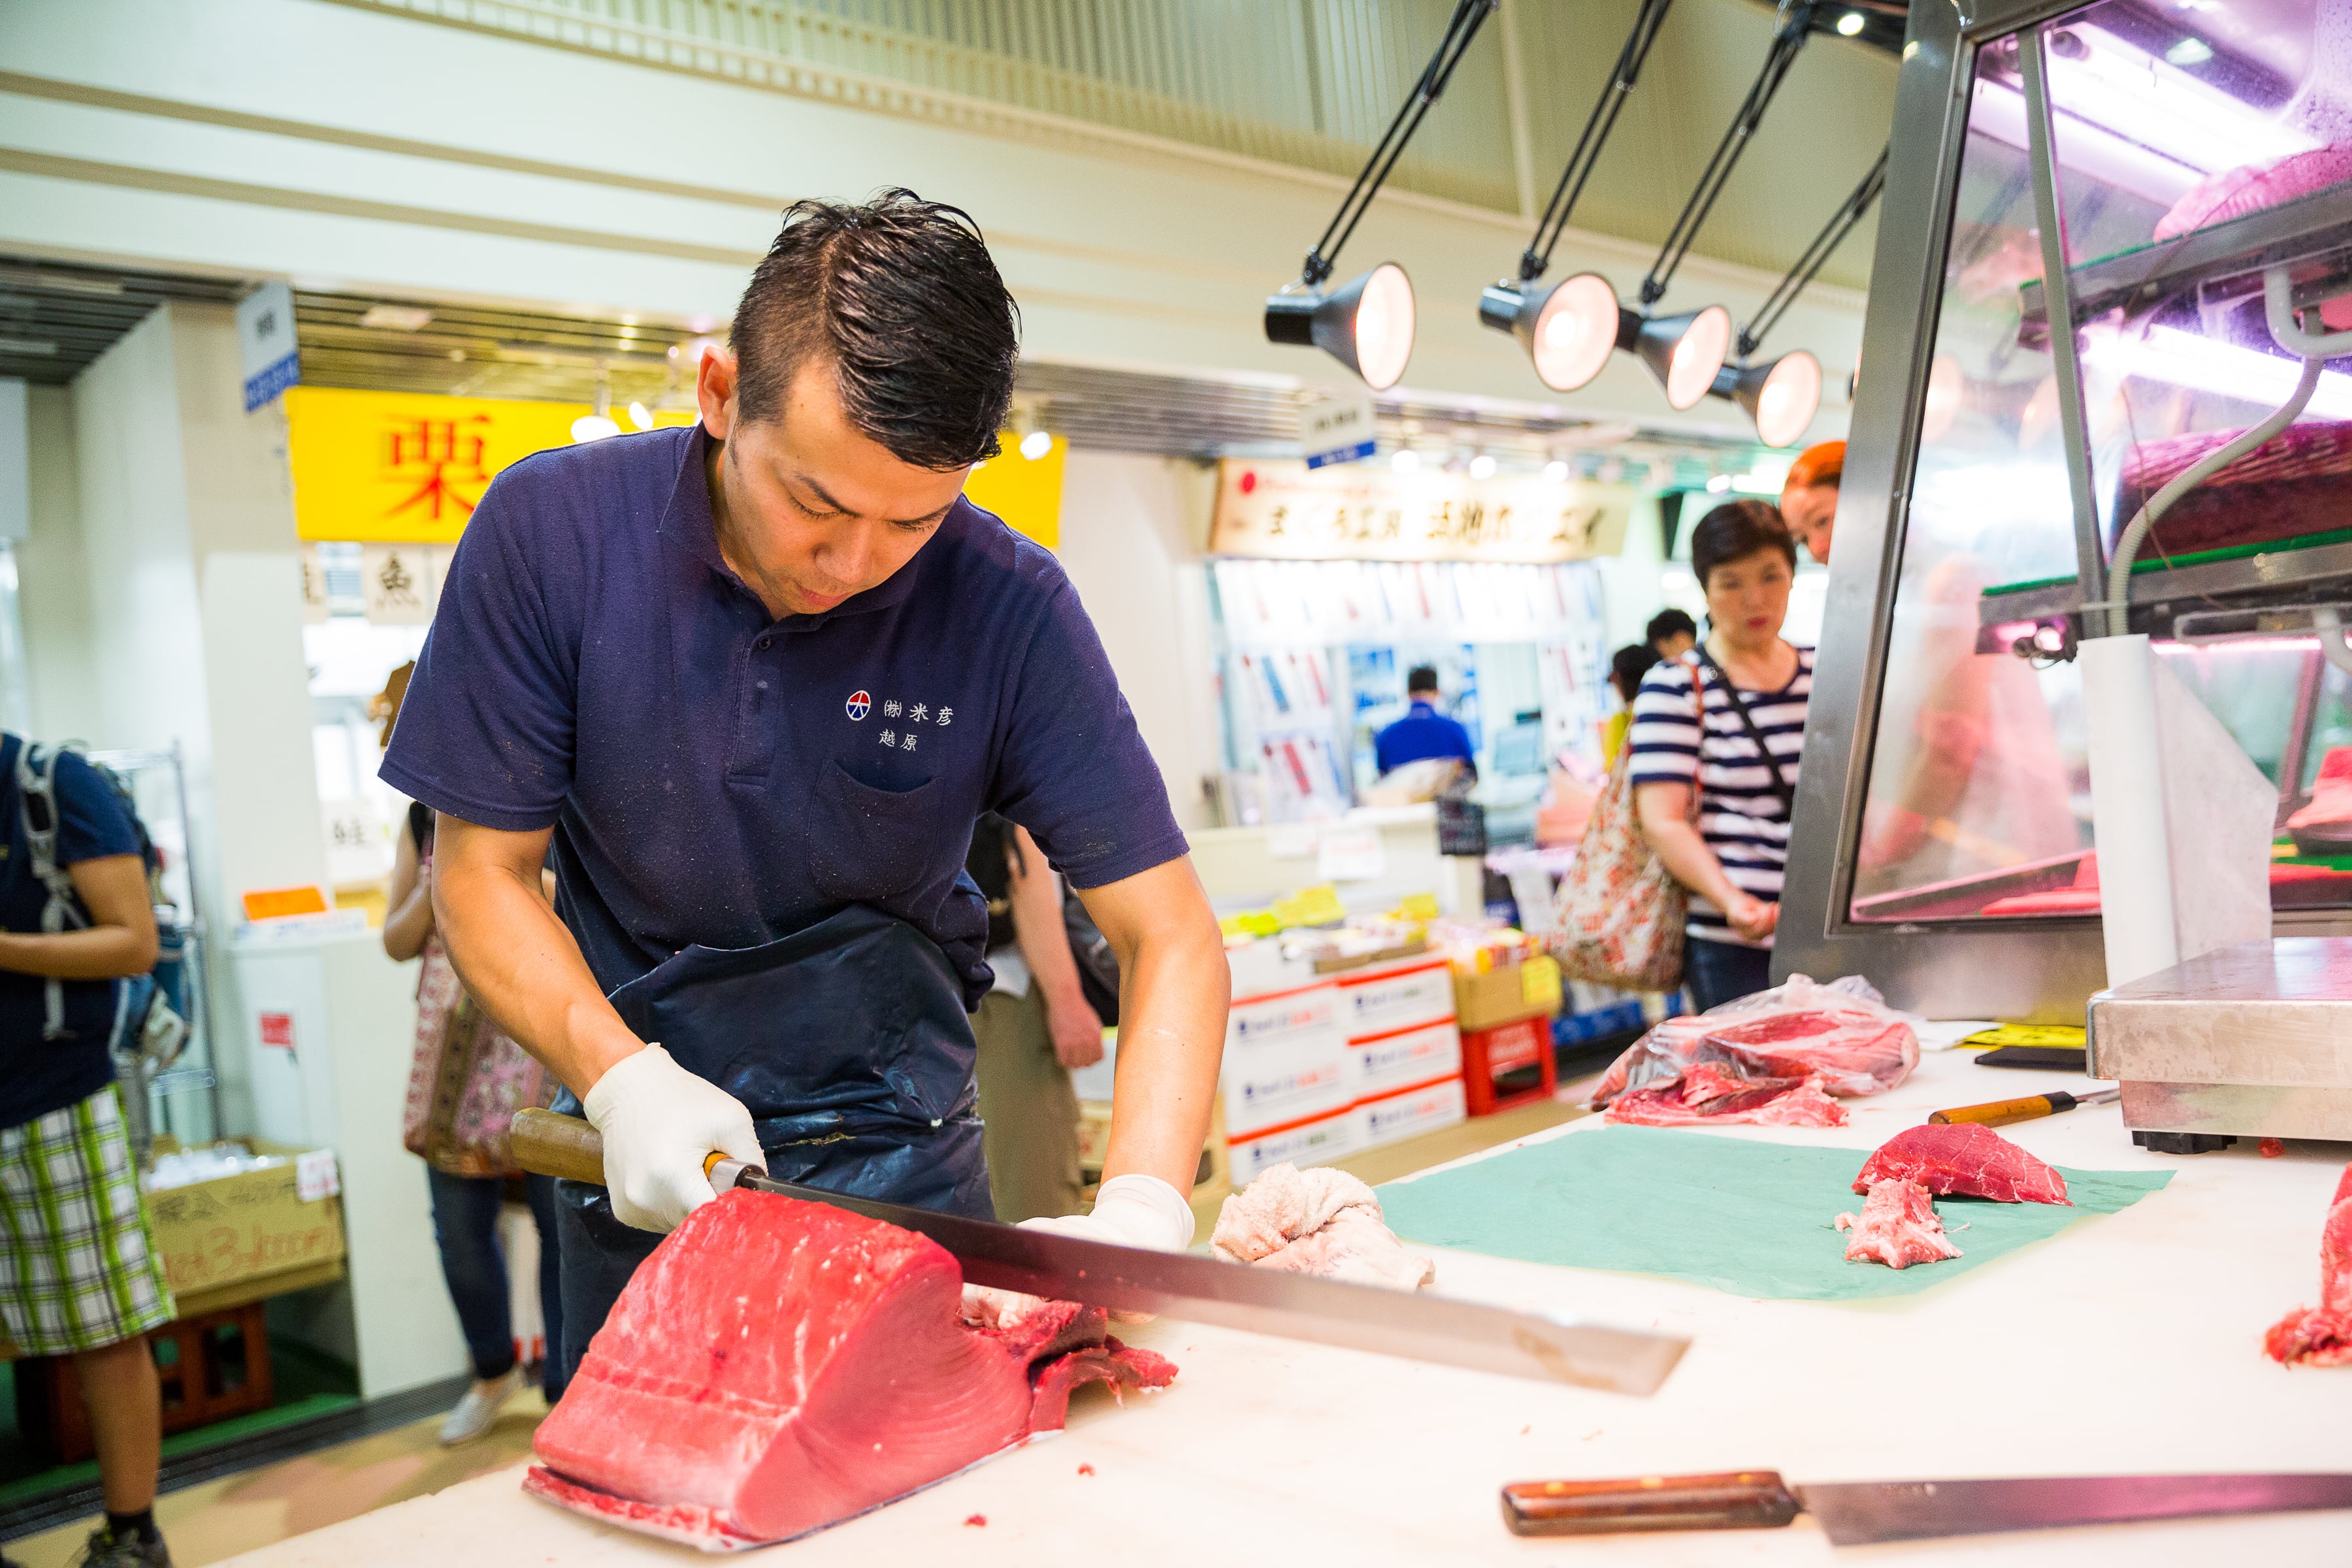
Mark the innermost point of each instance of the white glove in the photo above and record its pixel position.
(660, 1123)
(1129, 1210)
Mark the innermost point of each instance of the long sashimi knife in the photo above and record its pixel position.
(1865, 1513)
(1413, 1324)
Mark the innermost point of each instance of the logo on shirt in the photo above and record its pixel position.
(858, 705)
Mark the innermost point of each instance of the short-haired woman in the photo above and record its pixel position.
(1732, 854)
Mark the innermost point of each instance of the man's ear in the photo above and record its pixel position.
(714, 390)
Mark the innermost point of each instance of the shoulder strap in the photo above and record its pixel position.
(1747, 722)
(36, 803)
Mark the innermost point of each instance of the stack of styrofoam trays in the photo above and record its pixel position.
(209, 1162)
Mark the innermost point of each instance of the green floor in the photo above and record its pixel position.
(308, 1385)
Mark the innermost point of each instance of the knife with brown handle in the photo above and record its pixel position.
(1415, 1324)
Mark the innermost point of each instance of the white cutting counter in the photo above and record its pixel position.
(2129, 1342)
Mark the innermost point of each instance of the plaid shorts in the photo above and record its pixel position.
(78, 1269)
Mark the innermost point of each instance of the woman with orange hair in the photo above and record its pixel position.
(1809, 499)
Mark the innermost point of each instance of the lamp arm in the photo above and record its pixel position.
(1536, 259)
(1469, 15)
(1842, 223)
(1797, 20)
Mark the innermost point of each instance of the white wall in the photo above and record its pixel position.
(52, 579)
(1132, 530)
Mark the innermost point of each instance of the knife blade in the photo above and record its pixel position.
(1548, 1347)
(1865, 1513)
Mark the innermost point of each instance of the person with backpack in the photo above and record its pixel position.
(1034, 1025)
(79, 1275)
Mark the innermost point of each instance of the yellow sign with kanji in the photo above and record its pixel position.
(1026, 492)
(398, 468)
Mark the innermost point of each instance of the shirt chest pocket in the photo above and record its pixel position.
(867, 845)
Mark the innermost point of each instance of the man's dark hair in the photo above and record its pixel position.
(1629, 663)
(901, 295)
(1669, 623)
(1736, 530)
(1422, 677)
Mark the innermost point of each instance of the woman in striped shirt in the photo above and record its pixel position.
(1732, 854)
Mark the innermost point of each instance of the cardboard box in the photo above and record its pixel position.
(251, 1235)
(1410, 1114)
(1506, 995)
(1386, 1063)
(1316, 1142)
(1285, 1060)
(1391, 996)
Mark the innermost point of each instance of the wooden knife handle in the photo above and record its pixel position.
(1734, 1500)
(547, 1144)
(567, 1147)
(1999, 1112)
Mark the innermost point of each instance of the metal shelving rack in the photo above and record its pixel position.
(195, 1071)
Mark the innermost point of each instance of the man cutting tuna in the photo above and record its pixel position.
(745, 687)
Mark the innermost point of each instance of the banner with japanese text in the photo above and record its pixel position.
(1281, 509)
(401, 468)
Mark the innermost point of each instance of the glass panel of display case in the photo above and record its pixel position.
(1977, 788)
(2198, 147)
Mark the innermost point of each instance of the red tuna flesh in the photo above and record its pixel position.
(777, 1366)
(1964, 1159)
(1897, 1226)
(1706, 1092)
(2322, 1336)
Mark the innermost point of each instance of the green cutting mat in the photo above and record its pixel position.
(1739, 1214)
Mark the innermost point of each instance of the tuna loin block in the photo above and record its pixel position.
(1964, 1159)
(777, 1366)
(2322, 1336)
(1897, 1226)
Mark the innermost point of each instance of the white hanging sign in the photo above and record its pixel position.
(398, 579)
(265, 341)
(1282, 511)
(1337, 428)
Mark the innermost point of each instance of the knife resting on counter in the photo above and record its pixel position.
(1863, 1513)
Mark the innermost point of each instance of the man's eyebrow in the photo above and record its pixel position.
(826, 497)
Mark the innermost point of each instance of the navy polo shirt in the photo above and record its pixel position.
(40, 1075)
(716, 776)
(1422, 733)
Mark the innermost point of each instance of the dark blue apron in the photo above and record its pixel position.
(848, 1043)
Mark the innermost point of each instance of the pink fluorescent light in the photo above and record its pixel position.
(2184, 359)
(2144, 96)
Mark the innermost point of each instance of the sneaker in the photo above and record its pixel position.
(106, 1550)
(479, 1409)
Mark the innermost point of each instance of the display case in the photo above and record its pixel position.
(2116, 236)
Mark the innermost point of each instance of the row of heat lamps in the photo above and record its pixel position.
(1568, 329)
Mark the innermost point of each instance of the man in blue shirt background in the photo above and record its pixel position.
(1423, 732)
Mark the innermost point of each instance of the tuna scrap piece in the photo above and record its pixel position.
(1897, 1226)
(1321, 1222)
(1709, 1092)
(1964, 1159)
(2322, 1336)
(777, 1366)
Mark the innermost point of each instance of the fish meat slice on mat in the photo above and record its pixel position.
(777, 1366)
(2322, 1336)
(1843, 1034)
(1708, 1092)
(1321, 1222)
(1964, 1160)
(1897, 1226)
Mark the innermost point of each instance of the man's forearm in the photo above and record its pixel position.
(523, 967)
(100, 953)
(1174, 992)
(1043, 941)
